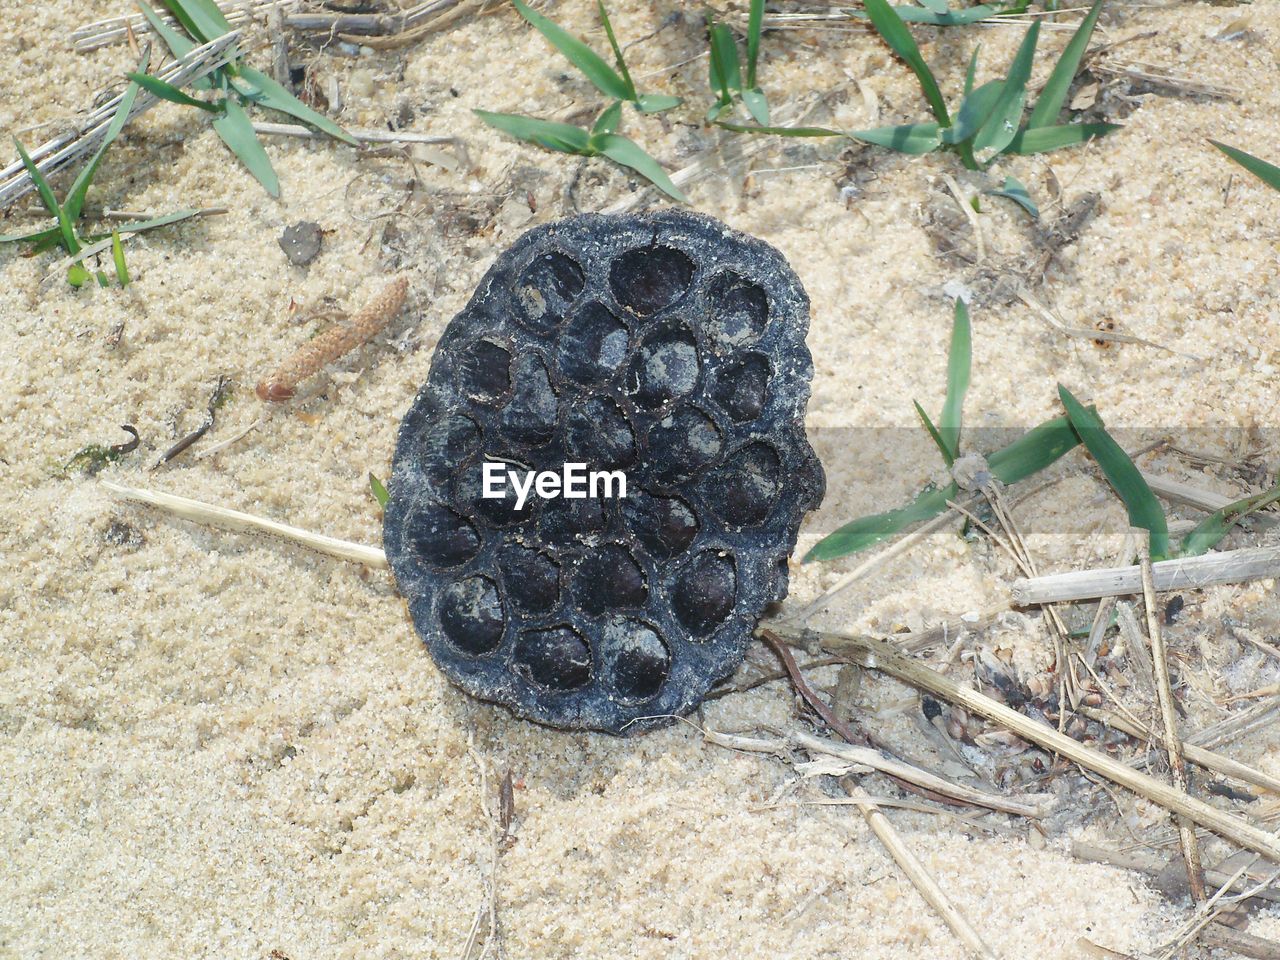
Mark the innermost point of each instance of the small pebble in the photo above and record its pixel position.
(301, 242)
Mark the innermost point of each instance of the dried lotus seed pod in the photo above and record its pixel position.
(666, 348)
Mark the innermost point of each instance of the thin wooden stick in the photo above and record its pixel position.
(1201, 757)
(1187, 573)
(880, 655)
(235, 520)
(364, 135)
(1172, 742)
(852, 753)
(1152, 866)
(919, 876)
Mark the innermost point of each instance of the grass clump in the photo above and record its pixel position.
(66, 214)
(602, 139)
(988, 122)
(236, 84)
(728, 80)
(1036, 450)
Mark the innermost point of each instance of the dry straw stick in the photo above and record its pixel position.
(1187, 573)
(207, 513)
(881, 655)
(1201, 757)
(1172, 743)
(919, 876)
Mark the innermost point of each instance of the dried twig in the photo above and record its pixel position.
(1198, 755)
(919, 876)
(1172, 742)
(882, 656)
(1187, 573)
(310, 358)
(363, 134)
(235, 520)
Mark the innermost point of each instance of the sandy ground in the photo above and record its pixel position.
(219, 745)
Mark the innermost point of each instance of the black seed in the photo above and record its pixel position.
(485, 371)
(739, 310)
(683, 443)
(546, 289)
(743, 489)
(532, 579)
(702, 594)
(635, 659)
(598, 434)
(665, 346)
(441, 537)
(665, 525)
(609, 578)
(471, 615)
(665, 367)
(593, 344)
(742, 387)
(650, 278)
(557, 658)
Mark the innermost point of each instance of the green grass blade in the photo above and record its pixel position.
(895, 33)
(726, 71)
(1045, 139)
(276, 97)
(545, 133)
(236, 131)
(139, 226)
(1054, 94)
(1266, 172)
(607, 122)
(938, 7)
(656, 102)
(603, 76)
(1002, 126)
(35, 236)
(755, 23)
(973, 112)
(117, 255)
(757, 106)
(972, 72)
(868, 531)
(621, 150)
(66, 228)
(784, 131)
(1015, 190)
(201, 18)
(1036, 450)
(178, 45)
(379, 491)
(959, 368)
(947, 456)
(913, 138)
(1144, 509)
(80, 188)
(1210, 531)
(167, 91)
(617, 52)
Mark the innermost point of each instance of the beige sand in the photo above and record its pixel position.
(216, 745)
